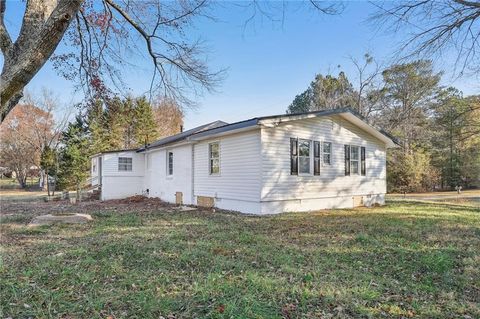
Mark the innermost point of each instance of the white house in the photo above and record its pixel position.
(265, 165)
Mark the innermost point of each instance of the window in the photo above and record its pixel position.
(214, 158)
(125, 164)
(354, 159)
(94, 167)
(170, 163)
(327, 153)
(304, 156)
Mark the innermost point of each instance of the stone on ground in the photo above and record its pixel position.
(60, 219)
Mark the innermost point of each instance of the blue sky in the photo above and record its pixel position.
(268, 63)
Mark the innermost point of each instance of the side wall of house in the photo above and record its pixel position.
(282, 191)
(120, 184)
(164, 186)
(237, 186)
(94, 170)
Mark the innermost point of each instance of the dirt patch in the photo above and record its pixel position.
(30, 209)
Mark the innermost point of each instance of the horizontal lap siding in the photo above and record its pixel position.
(278, 184)
(94, 180)
(110, 164)
(240, 170)
(121, 184)
(165, 186)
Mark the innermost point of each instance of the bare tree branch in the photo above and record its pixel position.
(435, 28)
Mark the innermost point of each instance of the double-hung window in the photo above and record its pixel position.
(327, 153)
(355, 162)
(355, 159)
(125, 164)
(214, 158)
(304, 156)
(169, 163)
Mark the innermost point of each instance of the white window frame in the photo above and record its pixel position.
(128, 165)
(210, 159)
(324, 153)
(358, 160)
(168, 163)
(310, 156)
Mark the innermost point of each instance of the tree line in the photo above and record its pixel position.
(438, 128)
(32, 138)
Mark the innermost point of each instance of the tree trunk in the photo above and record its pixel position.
(21, 178)
(78, 192)
(48, 184)
(39, 36)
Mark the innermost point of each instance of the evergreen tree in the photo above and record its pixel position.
(74, 156)
(145, 127)
(325, 92)
(95, 120)
(457, 137)
(114, 123)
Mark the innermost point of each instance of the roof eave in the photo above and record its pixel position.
(225, 130)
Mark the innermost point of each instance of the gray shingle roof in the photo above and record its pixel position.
(218, 127)
(183, 135)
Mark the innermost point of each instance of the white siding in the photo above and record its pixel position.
(94, 169)
(116, 187)
(279, 184)
(121, 184)
(164, 186)
(240, 170)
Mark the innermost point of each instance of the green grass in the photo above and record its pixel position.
(403, 260)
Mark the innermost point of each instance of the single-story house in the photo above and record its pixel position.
(264, 165)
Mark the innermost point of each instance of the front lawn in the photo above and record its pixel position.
(404, 260)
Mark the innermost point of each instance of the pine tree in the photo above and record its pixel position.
(325, 92)
(145, 127)
(114, 124)
(95, 120)
(74, 156)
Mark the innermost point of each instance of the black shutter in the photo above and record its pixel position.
(316, 158)
(293, 156)
(363, 167)
(347, 160)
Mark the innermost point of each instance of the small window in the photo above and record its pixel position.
(327, 153)
(170, 163)
(214, 158)
(304, 156)
(94, 168)
(355, 159)
(125, 164)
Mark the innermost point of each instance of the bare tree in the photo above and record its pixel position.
(103, 38)
(366, 87)
(436, 27)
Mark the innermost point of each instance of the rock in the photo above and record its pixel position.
(60, 219)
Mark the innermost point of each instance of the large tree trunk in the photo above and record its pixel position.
(44, 24)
